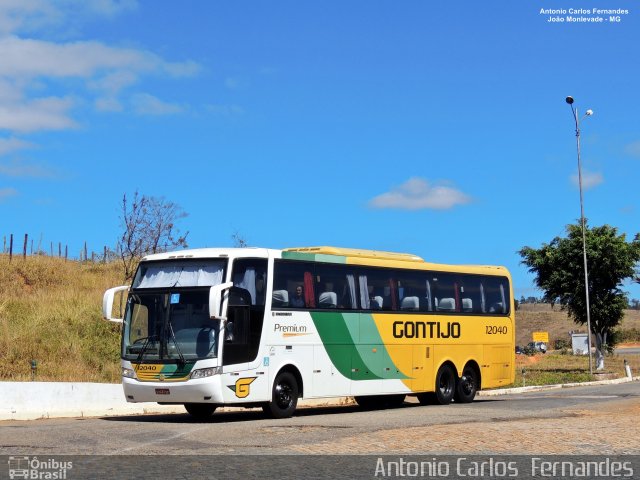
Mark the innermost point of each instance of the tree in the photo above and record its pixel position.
(238, 240)
(148, 225)
(559, 271)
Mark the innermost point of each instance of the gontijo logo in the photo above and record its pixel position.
(241, 388)
(410, 329)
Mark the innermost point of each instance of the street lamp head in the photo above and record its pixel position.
(589, 112)
(569, 100)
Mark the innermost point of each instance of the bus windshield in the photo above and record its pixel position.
(167, 316)
(173, 325)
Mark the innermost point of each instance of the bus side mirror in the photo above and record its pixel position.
(107, 303)
(215, 300)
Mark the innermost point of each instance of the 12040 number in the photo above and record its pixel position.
(493, 330)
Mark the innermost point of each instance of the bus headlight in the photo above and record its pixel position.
(128, 372)
(205, 372)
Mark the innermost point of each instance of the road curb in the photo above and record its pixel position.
(42, 400)
(537, 388)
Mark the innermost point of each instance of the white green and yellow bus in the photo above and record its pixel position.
(262, 327)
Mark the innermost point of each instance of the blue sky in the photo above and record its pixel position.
(436, 128)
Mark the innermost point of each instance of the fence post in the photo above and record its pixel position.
(11, 248)
(104, 259)
(66, 252)
(85, 251)
(24, 249)
(59, 249)
(52, 249)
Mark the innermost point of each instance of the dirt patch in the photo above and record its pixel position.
(527, 360)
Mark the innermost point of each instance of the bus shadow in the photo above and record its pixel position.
(254, 414)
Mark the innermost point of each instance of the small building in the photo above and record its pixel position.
(580, 343)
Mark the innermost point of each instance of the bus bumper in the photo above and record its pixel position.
(206, 390)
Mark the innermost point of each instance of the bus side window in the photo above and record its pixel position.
(496, 295)
(291, 276)
(446, 292)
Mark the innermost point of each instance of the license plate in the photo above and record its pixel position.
(162, 391)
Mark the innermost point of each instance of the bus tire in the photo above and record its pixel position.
(467, 385)
(445, 384)
(284, 396)
(201, 411)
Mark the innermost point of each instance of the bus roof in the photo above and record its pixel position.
(385, 259)
(328, 254)
(210, 253)
(354, 252)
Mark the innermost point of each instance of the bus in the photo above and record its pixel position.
(261, 327)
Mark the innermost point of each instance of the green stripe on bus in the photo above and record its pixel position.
(314, 257)
(340, 332)
(299, 256)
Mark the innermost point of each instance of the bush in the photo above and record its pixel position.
(561, 344)
(624, 336)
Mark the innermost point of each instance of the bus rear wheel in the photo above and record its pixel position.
(467, 385)
(445, 384)
(445, 387)
(201, 411)
(284, 397)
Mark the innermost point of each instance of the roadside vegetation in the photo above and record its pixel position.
(50, 312)
(554, 368)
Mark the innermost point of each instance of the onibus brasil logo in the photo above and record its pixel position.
(33, 468)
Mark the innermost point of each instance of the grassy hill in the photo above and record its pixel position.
(50, 312)
(540, 317)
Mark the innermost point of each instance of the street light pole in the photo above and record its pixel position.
(569, 100)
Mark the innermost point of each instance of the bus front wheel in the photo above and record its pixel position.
(201, 411)
(284, 397)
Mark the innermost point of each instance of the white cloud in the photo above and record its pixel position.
(7, 192)
(18, 168)
(31, 15)
(10, 145)
(589, 179)
(40, 114)
(27, 15)
(33, 71)
(108, 104)
(28, 58)
(633, 149)
(114, 82)
(106, 8)
(145, 104)
(233, 83)
(226, 110)
(417, 194)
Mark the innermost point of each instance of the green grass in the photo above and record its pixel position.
(555, 368)
(50, 312)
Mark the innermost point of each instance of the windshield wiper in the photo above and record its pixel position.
(144, 348)
(175, 342)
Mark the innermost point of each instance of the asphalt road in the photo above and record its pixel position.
(627, 351)
(535, 416)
